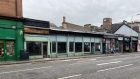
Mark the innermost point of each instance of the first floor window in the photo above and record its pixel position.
(10, 45)
(1, 48)
(86, 47)
(34, 48)
(53, 47)
(71, 46)
(97, 46)
(61, 47)
(78, 47)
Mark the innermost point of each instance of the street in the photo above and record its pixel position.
(109, 67)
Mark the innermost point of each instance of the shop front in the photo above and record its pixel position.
(36, 38)
(11, 39)
(37, 46)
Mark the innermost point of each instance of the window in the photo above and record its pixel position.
(71, 46)
(86, 47)
(61, 47)
(34, 48)
(10, 48)
(78, 47)
(92, 47)
(53, 47)
(97, 46)
(1, 48)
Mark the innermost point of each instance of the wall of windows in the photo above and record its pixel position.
(74, 44)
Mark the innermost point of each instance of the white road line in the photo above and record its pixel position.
(82, 62)
(15, 65)
(114, 68)
(109, 63)
(65, 60)
(24, 70)
(88, 60)
(70, 76)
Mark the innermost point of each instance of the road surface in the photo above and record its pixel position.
(109, 67)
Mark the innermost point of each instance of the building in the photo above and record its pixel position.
(11, 38)
(37, 42)
(127, 36)
(44, 39)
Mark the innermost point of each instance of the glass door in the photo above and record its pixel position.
(10, 50)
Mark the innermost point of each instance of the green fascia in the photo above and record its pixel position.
(12, 30)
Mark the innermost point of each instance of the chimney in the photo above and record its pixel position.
(64, 24)
(107, 23)
(64, 19)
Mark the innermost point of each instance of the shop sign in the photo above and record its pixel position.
(120, 38)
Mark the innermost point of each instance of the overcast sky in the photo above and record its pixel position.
(81, 11)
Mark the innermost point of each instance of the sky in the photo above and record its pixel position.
(82, 11)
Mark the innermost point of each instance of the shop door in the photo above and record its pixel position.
(2, 50)
(45, 46)
(10, 50)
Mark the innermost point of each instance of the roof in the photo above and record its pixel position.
(36, 23)
(116, 26)
(74, 27)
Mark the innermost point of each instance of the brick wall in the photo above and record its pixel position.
(11, 8)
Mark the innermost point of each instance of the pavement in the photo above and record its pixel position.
(126, 66)
(61, 58)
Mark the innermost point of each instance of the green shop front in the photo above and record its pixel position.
(11, 39)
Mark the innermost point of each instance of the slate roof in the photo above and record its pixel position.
(116, 26)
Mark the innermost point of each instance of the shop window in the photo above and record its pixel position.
(71, 46)
(10, 48)
(92, 47)
(78, 47)
(97, 46)
(53, 47)
(61, 47)
(86, 47)
(1, 48)
(34, 48)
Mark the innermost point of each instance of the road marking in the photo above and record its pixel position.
(65, 60)
(109, 63)
(87, 60)
(70, 76)
(114, 68)
(24, 70)
(15, 65)
(82, 62)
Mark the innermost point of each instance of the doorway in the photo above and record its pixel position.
(45, 50)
